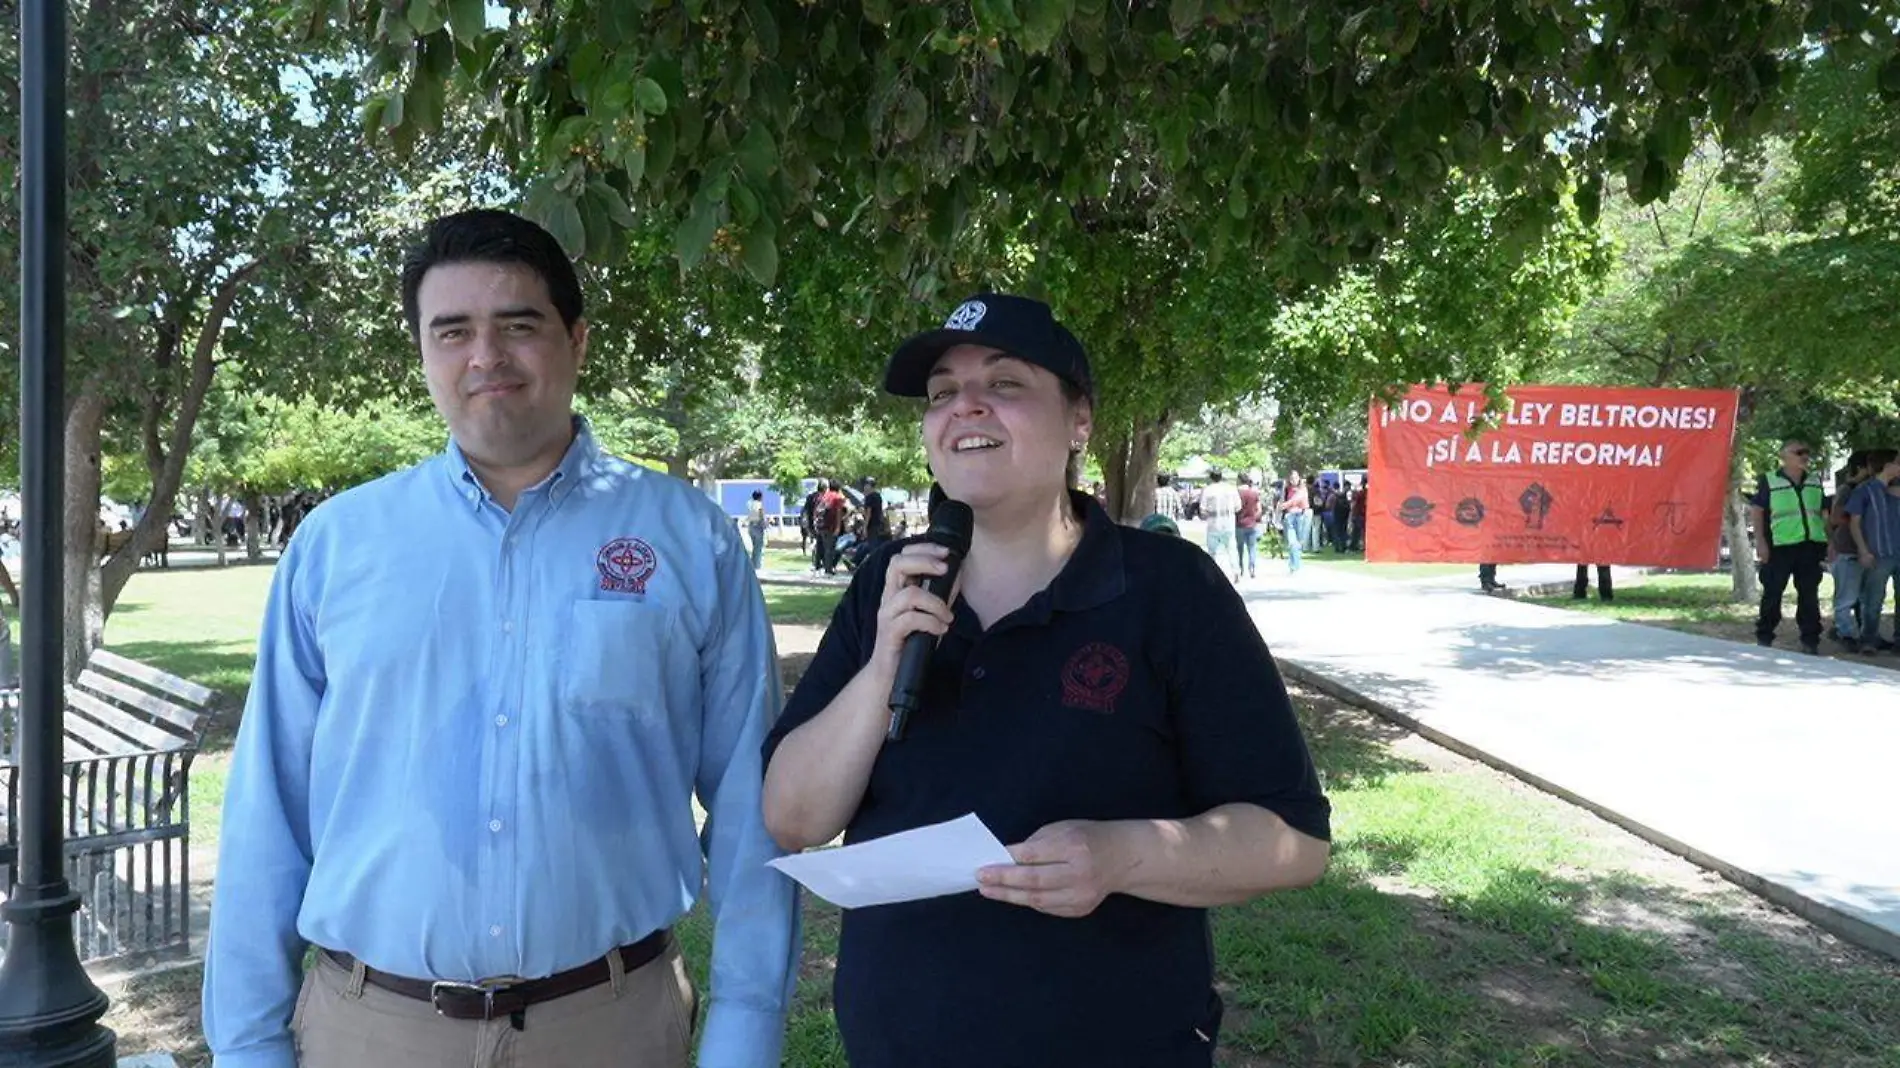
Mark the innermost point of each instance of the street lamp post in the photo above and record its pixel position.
(49, 1007)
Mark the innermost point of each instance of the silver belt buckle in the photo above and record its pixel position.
(486, 988)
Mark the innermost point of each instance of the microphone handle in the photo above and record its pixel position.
(907, 688)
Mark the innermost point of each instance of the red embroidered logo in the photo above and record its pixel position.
(626, 564)
(1094, 677)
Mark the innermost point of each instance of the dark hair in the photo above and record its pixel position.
(833, 485)
(1214, 475)
(489, 235)
(1162, 480)
(758, 495)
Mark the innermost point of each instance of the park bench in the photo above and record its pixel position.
(131, 732)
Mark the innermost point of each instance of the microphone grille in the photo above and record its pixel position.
(950, 525)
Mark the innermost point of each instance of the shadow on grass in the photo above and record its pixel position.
(1523, 966)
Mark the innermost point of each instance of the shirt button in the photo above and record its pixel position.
(494, 825)
(501, 721)
(977, 674)
(508, 626)
(495, 931)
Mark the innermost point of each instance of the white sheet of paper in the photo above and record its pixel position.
(908, 866)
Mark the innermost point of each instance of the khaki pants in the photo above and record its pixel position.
(644, 1019)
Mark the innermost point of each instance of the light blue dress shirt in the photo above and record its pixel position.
(472, 743)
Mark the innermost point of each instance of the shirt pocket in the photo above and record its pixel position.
(614, 657)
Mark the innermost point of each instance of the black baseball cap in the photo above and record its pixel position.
(1023, 327)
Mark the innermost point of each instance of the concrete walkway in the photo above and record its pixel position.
(1779, 770)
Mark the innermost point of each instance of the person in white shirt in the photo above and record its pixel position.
(1220, 503)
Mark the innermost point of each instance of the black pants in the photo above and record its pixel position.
(826, 556)
(1582, 589)
(1803, 564)
(1487, 575)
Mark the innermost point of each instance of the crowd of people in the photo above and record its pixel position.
(1292, 516)
(1853, 535)
(838, 533)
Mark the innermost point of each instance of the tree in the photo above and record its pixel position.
(218, 216)
(1319, 128)
(1759, 278)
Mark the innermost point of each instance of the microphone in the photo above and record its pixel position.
(950, 524)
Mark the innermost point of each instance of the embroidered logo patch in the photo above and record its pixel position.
(967, 315)
(626, 564)
(1094, 677)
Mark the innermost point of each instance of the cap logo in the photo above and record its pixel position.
(967, 316)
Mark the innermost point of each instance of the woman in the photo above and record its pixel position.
(1099, 698)
(1298, 512)
(755, 527)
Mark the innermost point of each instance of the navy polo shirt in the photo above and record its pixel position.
(1134, 687)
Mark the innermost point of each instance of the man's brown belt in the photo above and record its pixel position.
(497, 999)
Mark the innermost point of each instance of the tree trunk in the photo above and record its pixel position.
(1129, 462)
(1746, 585)
(166, 465)
(680, 466)
(253, 518)
(85, 619)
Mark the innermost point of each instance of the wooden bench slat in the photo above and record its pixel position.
(77, 748)
(185, 689)
(106, 686)
(122, 721)
(100, 741)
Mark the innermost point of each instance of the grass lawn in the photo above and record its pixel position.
(1466, 921)
(801, 604)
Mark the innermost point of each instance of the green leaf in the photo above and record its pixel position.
(392, 113)
(913, 111)
(1237, 201)
(425, 103)
(566, 226)
(695, 232)
(468, 19)
(758, 153)
(651, 98)
(371, 117)
(634, 162)
(878, 12)
(425, 16)
(745, 205)
(1185, 15)
(661, 149)
(614, 204)
(582, 66)
(1042, 23)
(764, 28)
(760, 254)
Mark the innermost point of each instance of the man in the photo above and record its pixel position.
(808, 522)
(828, 524)
(486, 689)
(1790, 543)
(1167, 498)
(1843, 554)
(1873, 518)
(1247, 529)
(1220, 505)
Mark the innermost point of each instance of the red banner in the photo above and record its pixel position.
(1570, 474)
